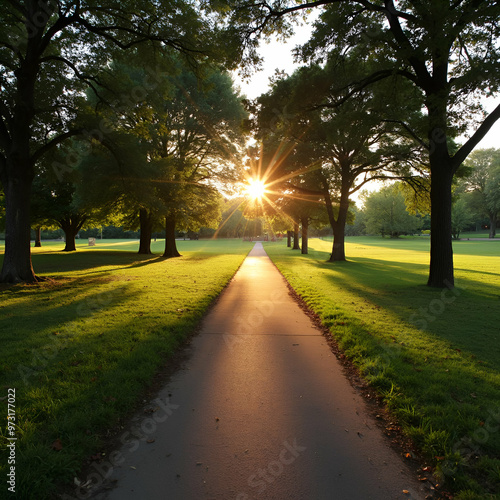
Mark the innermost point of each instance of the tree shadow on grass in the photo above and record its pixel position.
(78, 364)
(48, 263)
(466, 317)
(438, 350)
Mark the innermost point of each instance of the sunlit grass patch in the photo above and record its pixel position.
(434, 355)
(81, 347)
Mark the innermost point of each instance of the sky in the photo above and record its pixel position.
(278, 55)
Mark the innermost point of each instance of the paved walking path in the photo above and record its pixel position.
(261, 410)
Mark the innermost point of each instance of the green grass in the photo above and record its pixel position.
(80, 348)
(477, 234)
(433, 355)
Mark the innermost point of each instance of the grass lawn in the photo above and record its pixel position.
(434, 355)
(79, 348)
(477, 234)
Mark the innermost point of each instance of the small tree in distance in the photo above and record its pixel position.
(385, 213)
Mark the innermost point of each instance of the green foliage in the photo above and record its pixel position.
(325, 147)
(357, 226)
(233, 222)
(172, 146)
(461, 217)
(385, 213)
(482, 185)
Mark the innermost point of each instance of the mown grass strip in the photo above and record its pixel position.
(80, 348)
(434, 355)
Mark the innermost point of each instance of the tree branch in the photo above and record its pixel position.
(410, 131)
(476, 138)
(365, 3)
(90, 80)
(142, 37)
(362, 84)
(54, 142)
(61, 23)
(405, 45)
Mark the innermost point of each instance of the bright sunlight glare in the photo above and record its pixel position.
(255, 189)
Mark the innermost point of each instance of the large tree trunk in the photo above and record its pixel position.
(338, 224)
(71, 225)
(441, 264)
(146, 223)
(305, 235)
(17, 265)
(16, 170)
(338, 249)
(170, 245)
(38, 237)
(442, 171)
(289, 239)
(296, 245)
(493, 224)
(70, 233)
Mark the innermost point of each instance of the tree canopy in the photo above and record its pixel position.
(319, 151)
(448, 51)
(51, 51)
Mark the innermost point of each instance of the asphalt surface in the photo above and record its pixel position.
(261, 410)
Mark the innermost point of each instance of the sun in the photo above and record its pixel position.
(255, 189)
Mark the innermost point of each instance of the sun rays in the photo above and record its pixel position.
(255, 189)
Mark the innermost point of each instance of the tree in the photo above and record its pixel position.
(197, 137)
(385, 213)
(461, 217)
(484, 184)
(358, 226)
(50, 52)
(447, 50)
(233, 221)
(56, 201)
(167, 148)
(333, 152)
